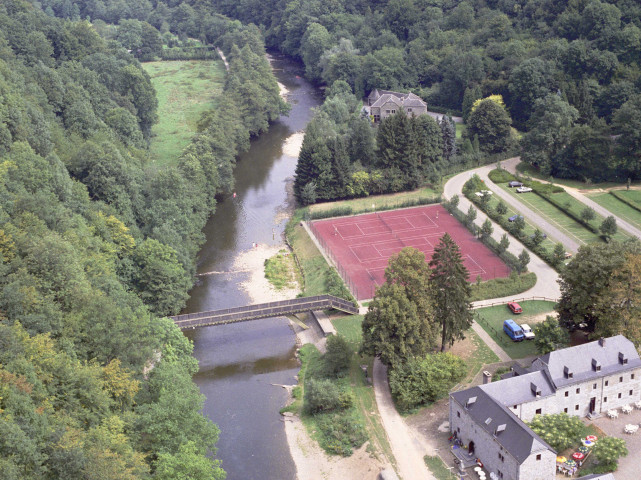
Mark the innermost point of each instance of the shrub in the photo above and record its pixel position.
(324, 396)
(340, 433)
(500, 175)
(425, 379)
(338, 355)
(608, 450)
(334, 286)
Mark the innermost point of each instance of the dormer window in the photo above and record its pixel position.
(499, 429)
(623, 359)
(596, 366)
(567, 372)
(536, 391)
(470, 402)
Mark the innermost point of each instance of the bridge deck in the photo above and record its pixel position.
(263, 310)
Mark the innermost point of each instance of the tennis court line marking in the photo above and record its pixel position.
(480, 269)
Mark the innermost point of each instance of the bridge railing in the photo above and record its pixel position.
(281, 307)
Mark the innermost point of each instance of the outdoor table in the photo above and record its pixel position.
(626, 409)
(638, 404)
(583, 450)
(587, 443)
(578, 456)
(613, 414)
(592, 438)
(561, 459)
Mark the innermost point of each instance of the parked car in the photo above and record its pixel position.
(513, 218)
(483, 193)
(513, 330)
(527, 331)
(515, 307)
(523, 190)
(514, 183)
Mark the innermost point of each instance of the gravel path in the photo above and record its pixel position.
(407, 447)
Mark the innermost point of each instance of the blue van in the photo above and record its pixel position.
(513, 330)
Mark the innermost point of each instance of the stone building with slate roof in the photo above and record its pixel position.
(383, 103)
(584, 380)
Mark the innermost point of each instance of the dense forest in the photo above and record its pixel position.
(97, 244)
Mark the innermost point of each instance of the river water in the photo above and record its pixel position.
(240, 362)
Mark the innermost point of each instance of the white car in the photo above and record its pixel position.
(527, 331)
(523, 190)
(483, 193)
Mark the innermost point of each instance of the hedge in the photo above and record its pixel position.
(630, 204)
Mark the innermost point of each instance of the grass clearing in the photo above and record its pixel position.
(477, 356)
(460, 130)
(492, 318)
(619, 208)
(280, 270)
(502, 287)
(528, 170)
(438, 468)
(185, 89)
(387, 201)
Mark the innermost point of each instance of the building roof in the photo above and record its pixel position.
(378, 98)
(508, 430)
(598, 476)
(520, 388)
(579, 364)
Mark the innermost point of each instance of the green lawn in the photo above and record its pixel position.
(527, 170)
(364, 204)
(559, 219)
(492, 318)
(479, 356)
(633, 196)
(185, 89)
(460, 130)
(438, 468)
(618, 208)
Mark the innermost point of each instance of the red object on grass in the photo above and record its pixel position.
(578, 456)
(592, 438)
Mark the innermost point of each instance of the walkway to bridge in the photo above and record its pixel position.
(263, 310)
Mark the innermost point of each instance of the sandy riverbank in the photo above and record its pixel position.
(293, 144)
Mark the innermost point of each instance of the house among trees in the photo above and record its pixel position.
(383, 103)
(586, 380)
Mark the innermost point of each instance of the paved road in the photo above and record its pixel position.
(406, 445)
(511, 164)
(546, 278)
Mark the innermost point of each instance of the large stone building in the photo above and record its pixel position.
(489, 420)
(383, 103)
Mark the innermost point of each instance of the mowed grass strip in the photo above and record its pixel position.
(185, 89)
(530, 226)
(618, 208)
(492, 318)
(529, 171)
(364, 204)
(559, 219)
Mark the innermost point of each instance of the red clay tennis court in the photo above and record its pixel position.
(361, 245)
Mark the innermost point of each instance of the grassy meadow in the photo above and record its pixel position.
(185, 89)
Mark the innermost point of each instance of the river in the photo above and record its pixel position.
(239, 363)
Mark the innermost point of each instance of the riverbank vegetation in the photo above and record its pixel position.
(281, 270)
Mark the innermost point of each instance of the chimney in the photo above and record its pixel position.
(487, 377)
(602, 341)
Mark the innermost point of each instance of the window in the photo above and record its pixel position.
(565, 410)
(538, 457)
(458, 414)
(501, 457)
(500, 473)
(620, 379)
(619, 396)
(409, 109)
(578, 390)
(605, 399)
(631, 392)
(567, 394)
(607, 382)
(538, 411)
(393, 111)
(515, 407)
(594, 386)
(576, 407)
(387, 111)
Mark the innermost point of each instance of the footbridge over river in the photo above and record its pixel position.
(263, 310)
